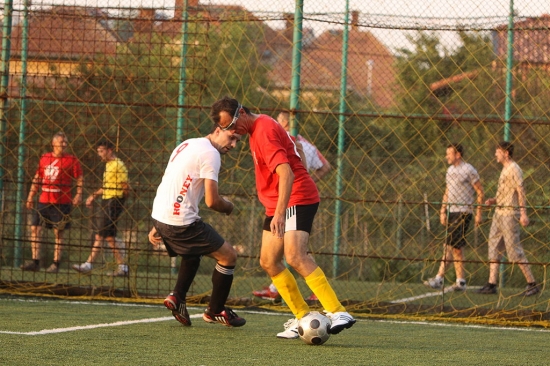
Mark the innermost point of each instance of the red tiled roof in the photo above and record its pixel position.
(65, 32)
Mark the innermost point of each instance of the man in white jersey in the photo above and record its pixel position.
(504, 234)
(462, 181)
(191, 174)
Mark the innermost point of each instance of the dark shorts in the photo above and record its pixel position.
(196, 239)
(111, 210)
(52, 216)
(297, 218)
(457, 228)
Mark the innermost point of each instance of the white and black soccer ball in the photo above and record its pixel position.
(314, 327)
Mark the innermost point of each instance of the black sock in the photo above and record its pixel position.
(56, 264)
(186, 274)
(222, 278)
(37, 262)
(532, 284)
(491, 285)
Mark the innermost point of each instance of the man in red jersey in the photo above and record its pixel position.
(56, 173)
(291, 199)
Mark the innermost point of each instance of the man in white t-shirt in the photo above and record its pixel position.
(510, 210)
(462, 183)
(191, 174)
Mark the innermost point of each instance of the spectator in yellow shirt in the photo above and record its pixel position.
(114, 191)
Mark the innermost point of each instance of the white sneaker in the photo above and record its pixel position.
(291, 329)
(459, 286)
(83, 268)
(340, 321)
(434, 282)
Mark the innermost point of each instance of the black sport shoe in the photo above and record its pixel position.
(488, 289)
(30, 266)
(179, 309)
(227, 317)
(531, 289)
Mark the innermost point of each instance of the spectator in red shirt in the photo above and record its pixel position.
(56, 173)
(291, 199)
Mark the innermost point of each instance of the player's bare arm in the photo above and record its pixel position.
(78, 196)
(321, 172)
(286, 179)
(443, 211)
(522, 200)
(33, 191)
(213, 199)
(480, 197)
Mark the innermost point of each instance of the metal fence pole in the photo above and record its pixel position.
(19, 218)
(341, 136)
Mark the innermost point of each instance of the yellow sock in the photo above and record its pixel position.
(288, 289)
(318, 283)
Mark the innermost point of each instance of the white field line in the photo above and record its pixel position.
(428, 294)
(454, 325)
(194, 316)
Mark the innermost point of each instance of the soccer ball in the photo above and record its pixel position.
(313, 328)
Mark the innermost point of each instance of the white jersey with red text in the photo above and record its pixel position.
(182, 186)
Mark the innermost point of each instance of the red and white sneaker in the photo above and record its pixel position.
(179, 309)
(266, 294)
(312, 297)
(227, 317)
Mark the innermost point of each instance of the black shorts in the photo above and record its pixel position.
(458, 223)
(195, 239)
(111, 209)
(297, 218)
(52, 215)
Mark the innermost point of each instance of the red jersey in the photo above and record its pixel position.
(56, 177)
(271, 146)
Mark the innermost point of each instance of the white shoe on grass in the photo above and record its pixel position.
(340, 321)
(291, 329)
(83, 268)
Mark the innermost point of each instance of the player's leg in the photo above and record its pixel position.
(495, 247)
(36, 230)
(458, 245)
(298, 227)
(516, 254)
(176, 300)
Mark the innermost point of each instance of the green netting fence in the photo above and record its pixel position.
(380, 88)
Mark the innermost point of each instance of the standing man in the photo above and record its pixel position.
(456, 213)
(511, 206)
(317, 166)
(291, 199)
(191, 174)
(114, 192)
(55, 175)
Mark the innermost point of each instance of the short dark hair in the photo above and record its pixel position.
(458, 148)
(106, 144)
(227, 104)
(506, 146)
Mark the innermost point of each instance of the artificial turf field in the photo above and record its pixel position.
(61, 332)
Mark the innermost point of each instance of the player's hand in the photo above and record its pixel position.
(154, 237)
(491, 201)
(30, 204)
(231, 205)
(77, 200)
(524, 220)
(278, 225)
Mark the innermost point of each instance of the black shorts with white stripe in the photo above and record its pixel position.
(299, 217)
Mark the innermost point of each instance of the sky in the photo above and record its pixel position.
(381, 17)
